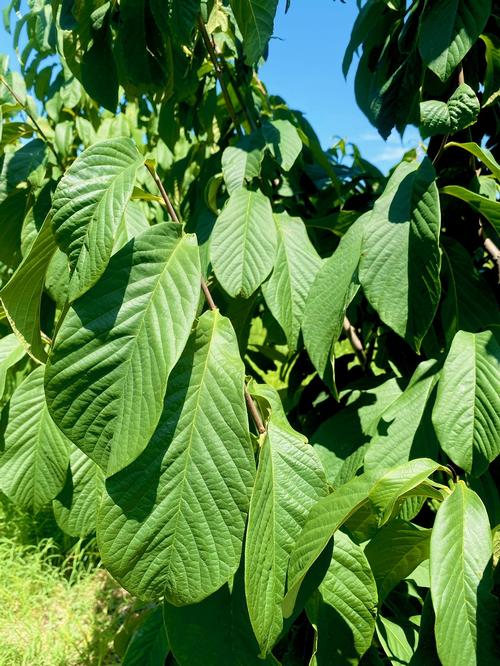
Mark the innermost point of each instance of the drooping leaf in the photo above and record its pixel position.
(108, 369)
(345, 607)
(400, 259)
(243, 243)
(295, 268)
(22, 294)
(331, 292)
(88, 205)
(284, 142)
(149, 643)
(33, 465)
(460, 111)
(482, 154)
(381, 492)
(460, 553)
(75, 508)
(289, 480)
(466, 415)
(241, 162)
(173, 520)
(486, 207)
(255, 20)
(394, 552)
(404, 430)
(11, 351)
(448, 30)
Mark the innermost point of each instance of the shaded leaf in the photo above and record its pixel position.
(255, 20)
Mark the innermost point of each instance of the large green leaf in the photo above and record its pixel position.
(394, 552)
(88, 205)
(344, 609)
(448, 30)
(11, 351)
(108, 370)
(461, 549)
(400, 259)
(460, 111)
(283, 141)
(255, 20)
(341, 441)
(173, 520)
(214, 632)
(75, 508)
(482, 154)
(381, 492)
(33, 465)
(404, 430)
(22, 294)
(486, 207)
(331, 292)
(243, 242)
(398, 639)
(295, 268)
(289, 481)
(466, 415)
(149, 643)
(492, 74)
(241, 163)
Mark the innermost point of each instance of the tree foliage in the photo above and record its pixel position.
(264, 373)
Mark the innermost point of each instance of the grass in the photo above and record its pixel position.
(57, 606)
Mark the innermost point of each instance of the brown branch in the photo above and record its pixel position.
(34, 121)
(356, 343)
(252, 407)
(219, 75)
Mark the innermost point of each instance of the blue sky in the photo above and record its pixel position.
(305, 68)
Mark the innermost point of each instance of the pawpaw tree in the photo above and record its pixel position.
(265, 374)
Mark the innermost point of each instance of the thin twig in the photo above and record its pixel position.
(237, 91)
(166, 199)
(219, 75)
(356, 343)
(34, 121)
(252, 407)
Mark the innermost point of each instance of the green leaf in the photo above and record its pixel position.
(382, 492)
(400, 259)
(331, 292)
(33, 465)
(214, 632)
(344, 610)
(243, 243)
(466, 415)
(483, 154)
(22, 294)
(397, 639)
(108, 370)
(395, 552)
(460, 111)
(469, 303)
(341, 440)
(241, 163)
(75, 508)
(492, 75)
(404, 430)
(149, 643)
(295, 268)
(11, 351)
(448, 30)
(173, 520)
(284, 142)
(486, 207)
(255, 20)
(88, 205)
(289, 481)
(98, 71)
(460, 554)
